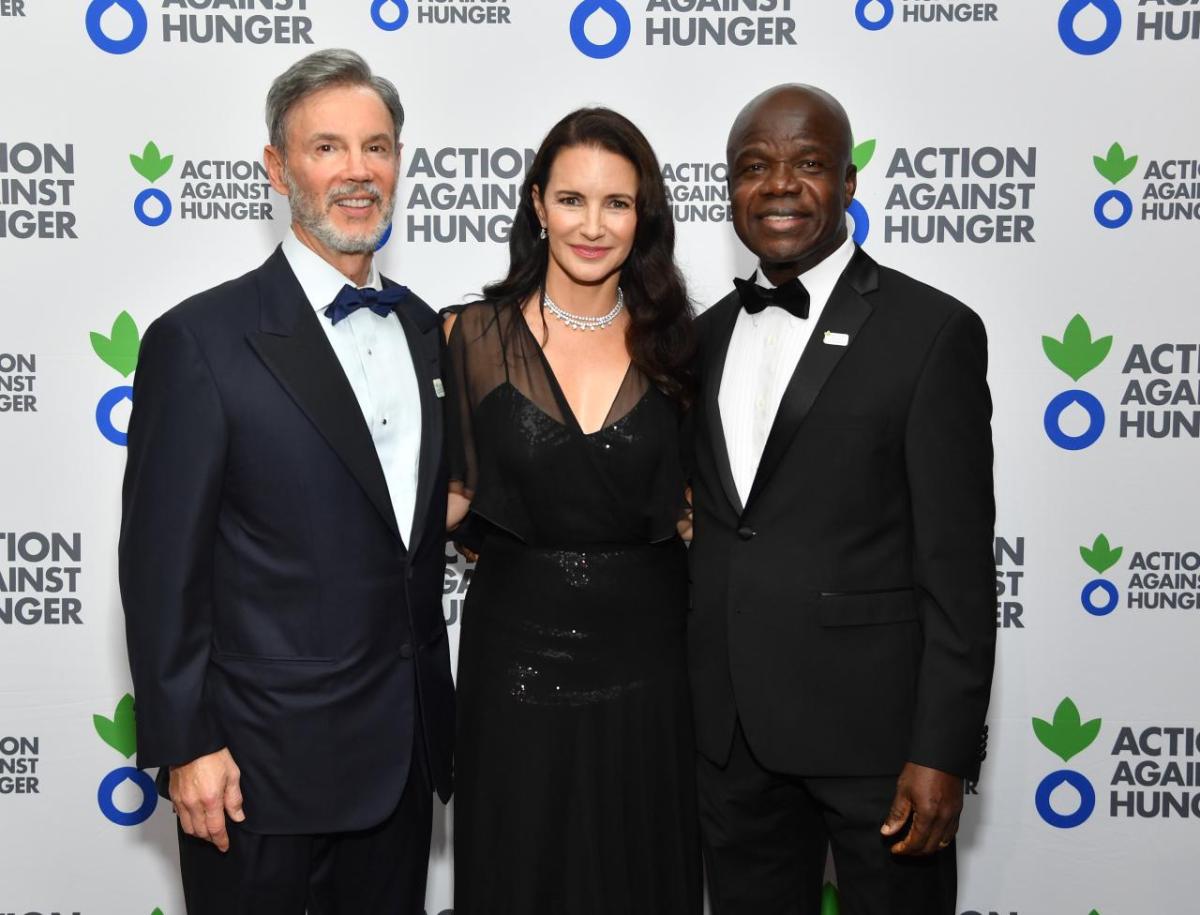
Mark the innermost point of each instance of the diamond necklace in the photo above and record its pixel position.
(585, 322)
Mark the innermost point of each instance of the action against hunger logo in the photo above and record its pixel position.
(1114, 167)
(116, 26)
(120, 352)
(151, 165)
(1076, 13)
(1066, 737)
(120, 733)
(1076, 354)
(875, 15)
(620, 24)
(120, 26)
(1100, 557)
(392, 15)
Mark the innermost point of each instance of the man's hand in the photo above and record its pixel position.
(203, 791)
(933, 799)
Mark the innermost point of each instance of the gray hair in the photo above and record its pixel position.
(321, 70)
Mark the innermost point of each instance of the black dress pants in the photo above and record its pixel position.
(765, 837)
(375, 871)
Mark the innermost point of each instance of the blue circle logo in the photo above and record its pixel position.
(1070, 14)
(1088, 597)
(114, 779)
(137, 32)
(584, 12)
(1053, 417)
(879, 19)
(1087, 798)
(108, 403)
(1121, 218)
(139, 207)
(862, 221)
(397, 14)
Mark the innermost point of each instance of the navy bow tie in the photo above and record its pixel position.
(380, 301)
(791, 296)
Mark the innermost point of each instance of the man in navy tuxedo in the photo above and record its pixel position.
(282, 540)
(842, 634)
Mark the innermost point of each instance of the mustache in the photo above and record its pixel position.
(354, 189)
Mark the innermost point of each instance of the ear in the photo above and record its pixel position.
(851, 184)
(273, 160)
(538, 206)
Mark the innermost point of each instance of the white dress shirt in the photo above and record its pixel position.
(374, 354)
(763, 352)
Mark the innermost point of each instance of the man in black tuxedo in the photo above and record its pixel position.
(282, 541)
(842, 635)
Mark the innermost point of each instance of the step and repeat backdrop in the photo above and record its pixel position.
(1040, 161)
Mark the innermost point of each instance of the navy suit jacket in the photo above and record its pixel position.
(272, 605)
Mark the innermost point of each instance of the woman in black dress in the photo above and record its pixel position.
(574, 785)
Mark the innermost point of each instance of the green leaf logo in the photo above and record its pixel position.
(829, 900)
(119, 732)
(862, 154)
(120, 351)
(1067, 736)
(160, 912)
(1101, 556)
(1093, 912)
(1077, 354)
(151, 165)
(1115, 166)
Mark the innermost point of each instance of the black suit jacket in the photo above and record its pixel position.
(846, 613)
(271, 604)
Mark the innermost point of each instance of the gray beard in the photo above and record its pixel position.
(309, 212)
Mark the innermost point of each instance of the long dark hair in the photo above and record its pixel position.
(660, 336)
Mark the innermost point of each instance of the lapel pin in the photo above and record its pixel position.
(834, 339)
(438, 388)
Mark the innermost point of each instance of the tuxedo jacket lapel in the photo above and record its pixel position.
(724, 317)
(424, 333)
(295, 349)
(844, 313)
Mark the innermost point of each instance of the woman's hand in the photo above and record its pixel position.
(684, 524)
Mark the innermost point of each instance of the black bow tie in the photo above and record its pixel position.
(791, 296)
(380, 301)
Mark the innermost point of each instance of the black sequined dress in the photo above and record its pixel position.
(574, 785)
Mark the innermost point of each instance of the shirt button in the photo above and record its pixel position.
(385, 420)
(370, 352)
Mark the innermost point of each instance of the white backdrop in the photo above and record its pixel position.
(1031, 91)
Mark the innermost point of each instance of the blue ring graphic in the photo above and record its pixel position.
(136, 36)
(1126, 209)
(109, 784)
(377, 18)
(383, 239)
(862, 221)
(1054, 412)
(1109, 589)
(1087, 798)
(579, 18)
(1112, 26)
(104, 408)
(860, 13)
(139, 207)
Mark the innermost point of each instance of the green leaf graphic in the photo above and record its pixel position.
(160, 912)
(829, 900)
(120, 351)
(862, 154)
(1067, 736)
(151, 165)
(119, 732)
(1101, 556)
(1115, 166)
(1093, 912)
(1077, 354)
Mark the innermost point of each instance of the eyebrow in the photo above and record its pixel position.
(582, 194)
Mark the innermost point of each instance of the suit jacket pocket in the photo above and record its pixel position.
(868, 608)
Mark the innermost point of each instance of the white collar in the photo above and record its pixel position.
(822, 274)
(320, 280)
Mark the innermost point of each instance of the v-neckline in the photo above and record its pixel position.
(560, 395)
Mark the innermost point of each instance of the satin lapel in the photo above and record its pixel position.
(295, 349)
(844, 313)
(716, 348)
(424, 334)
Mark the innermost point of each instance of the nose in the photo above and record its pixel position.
(782, 180)
(593, 222)
(356, 166)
